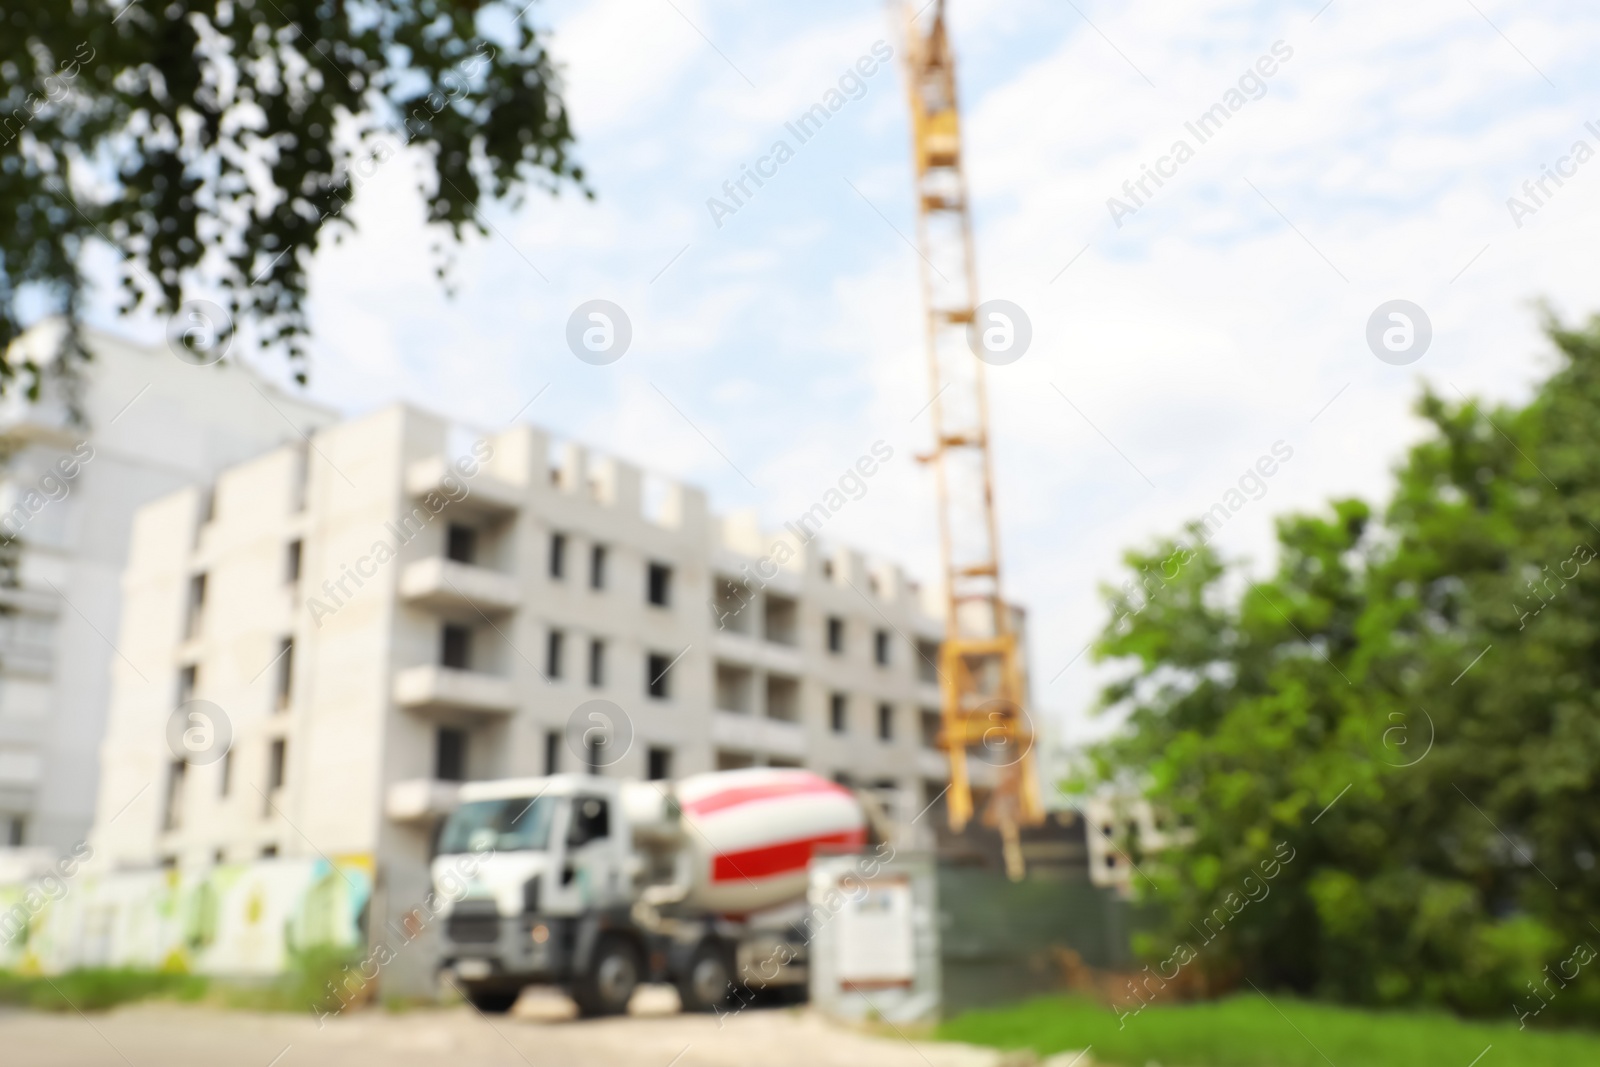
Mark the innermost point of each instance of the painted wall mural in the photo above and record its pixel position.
(234, 919)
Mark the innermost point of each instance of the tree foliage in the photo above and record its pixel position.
(214, 144)
(1411, 701)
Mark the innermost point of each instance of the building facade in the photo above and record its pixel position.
(103, 439)
(319, 645)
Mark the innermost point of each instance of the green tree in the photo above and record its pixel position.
(1410, 703)
(214, 144)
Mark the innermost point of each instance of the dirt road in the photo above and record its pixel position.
(162, 1035)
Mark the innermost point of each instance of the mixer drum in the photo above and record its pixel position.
(750, 834)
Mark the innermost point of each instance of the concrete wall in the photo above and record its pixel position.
(152, 424)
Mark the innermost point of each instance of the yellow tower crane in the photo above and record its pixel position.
(982, 679)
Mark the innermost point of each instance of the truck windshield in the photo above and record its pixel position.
(507, 825)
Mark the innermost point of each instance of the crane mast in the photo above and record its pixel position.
(982, 679)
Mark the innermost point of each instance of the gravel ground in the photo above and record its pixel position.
(537, 1033)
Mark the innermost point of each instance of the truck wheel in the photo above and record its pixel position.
(706, 984)
(491, 1000)
(613, 974)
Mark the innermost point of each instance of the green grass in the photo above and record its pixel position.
(1246, 1031)
(97, 989)
(303, 988)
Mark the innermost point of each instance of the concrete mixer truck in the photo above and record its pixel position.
(597, 884)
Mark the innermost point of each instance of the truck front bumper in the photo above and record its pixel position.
(482, 946)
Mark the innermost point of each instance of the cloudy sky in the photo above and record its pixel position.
(1224, 315)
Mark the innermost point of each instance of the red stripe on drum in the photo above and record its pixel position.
(785, 858)
(732, 798)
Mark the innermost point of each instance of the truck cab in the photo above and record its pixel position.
(535, 877)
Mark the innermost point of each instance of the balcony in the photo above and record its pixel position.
(780, 620)
(735, 685)
(752, 651)
(783, 698)
(421, 800)
(485, 495)
(445, 689)
(751, 733)
(447, 585)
